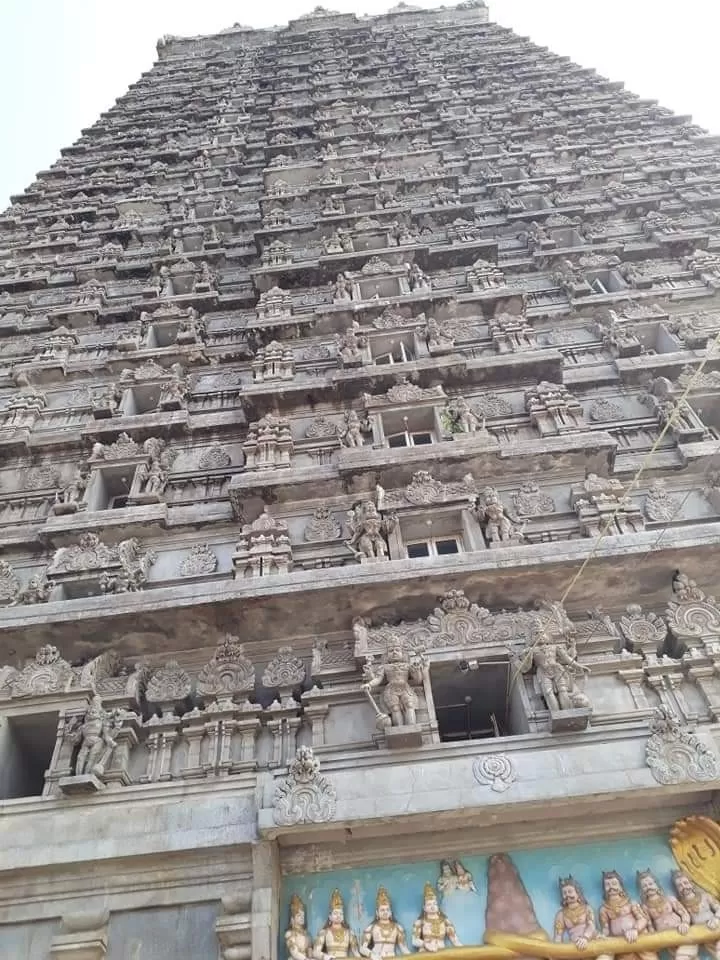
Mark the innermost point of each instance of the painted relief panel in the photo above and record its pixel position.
(649, 898)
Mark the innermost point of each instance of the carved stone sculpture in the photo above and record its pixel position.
(305, 796)
(298, 941)
(433, 930)
(619, 916)
(666, 913)
(94, 735)
(350, 346)
(701, 906)
(284, 672)
(459, 417)
(498, 528)
(263, 548)
(228, 673)
(368, 531)
(47, 673)
(557, 670)
(384, 937)
(351, 434)
(397, 673)
(199, 562)
(322, 527)
(336, 941)
(674, 754)
(575, 921)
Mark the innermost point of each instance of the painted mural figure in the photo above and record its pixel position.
(576, 919)
(701, 906)
(336, 941)
(465, 881)
(666, 913)
(621, 917)
(447, 881)
(384, 937)
(297, 939)
(432, 929)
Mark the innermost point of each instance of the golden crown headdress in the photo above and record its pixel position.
(429, 893)
(336, 901)
(296, 905)
(382, 899)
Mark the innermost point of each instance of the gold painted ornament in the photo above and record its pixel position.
(695, 843)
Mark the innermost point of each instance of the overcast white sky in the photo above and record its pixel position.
(62, 62)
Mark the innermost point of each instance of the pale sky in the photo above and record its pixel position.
(62, 62)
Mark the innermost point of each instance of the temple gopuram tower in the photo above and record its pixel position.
(360, 502)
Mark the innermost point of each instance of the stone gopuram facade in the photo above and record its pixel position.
(276, 684)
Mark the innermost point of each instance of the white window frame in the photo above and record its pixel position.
(432, 543)
(409, 436)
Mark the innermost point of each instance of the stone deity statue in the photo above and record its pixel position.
(621, 917)
(297, 939)
(384, 937)
(575, 920)
(336, 941)
(398, 672)
(556, 669)
(368, 531)
(666, 913)
(95, 736)
(432, 929)
(702, 908)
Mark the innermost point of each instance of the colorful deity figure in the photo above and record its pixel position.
(384, 937)
(666, 913)
(621, 917)
(336, 941)
(702, 907)
(432, 930)
(575, 920)
(297, 939)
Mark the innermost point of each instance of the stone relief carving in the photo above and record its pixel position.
(214, 457)
(335, 941)
(168, 685)
(530, 501)
(691, 615)
(550, 653)
(674, 754)
(9, 583)
(659, 504)
(263, 548)
(432, 930)
(459, 417)
(353, 428)
(492, 405)
(368, 530)
(384, 937)
(322, 527)
(199, 562)
(305, 796)
(498, 529)
(321, 429)
(47, 673)
(228, 673)
(397, 673)
(604, 410)
(284, 671)
(642, 632)
(494, 770)
(94, 735)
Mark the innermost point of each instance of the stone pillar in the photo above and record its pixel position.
(705, 676)
(265, 900)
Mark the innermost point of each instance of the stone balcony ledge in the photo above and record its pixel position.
(305, 602)
(531, 777)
